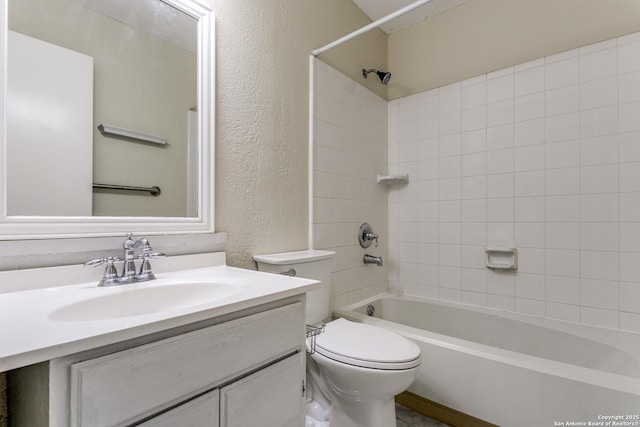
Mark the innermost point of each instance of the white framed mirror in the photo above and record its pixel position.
(54, 189)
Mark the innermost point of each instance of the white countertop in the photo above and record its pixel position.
(29, 335)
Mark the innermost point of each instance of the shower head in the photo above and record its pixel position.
(384, 76)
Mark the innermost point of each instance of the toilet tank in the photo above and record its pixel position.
(309, 264)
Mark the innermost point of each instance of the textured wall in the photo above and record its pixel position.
(262, 139)
(486, 35)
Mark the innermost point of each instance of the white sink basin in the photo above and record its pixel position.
(144, 298)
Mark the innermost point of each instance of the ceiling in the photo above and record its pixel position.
(376, 9)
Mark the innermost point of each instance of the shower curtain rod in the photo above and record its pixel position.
(371, 26)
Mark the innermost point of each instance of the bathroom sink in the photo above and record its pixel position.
(147, 298)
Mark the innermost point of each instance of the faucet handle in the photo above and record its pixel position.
(145, 268)
(110, 273)
(96, 262)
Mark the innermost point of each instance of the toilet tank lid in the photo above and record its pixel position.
(294, 257)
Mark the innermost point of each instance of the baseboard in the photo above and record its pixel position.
(439, 412)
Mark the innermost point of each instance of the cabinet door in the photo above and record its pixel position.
(272, 396)
(202, 411)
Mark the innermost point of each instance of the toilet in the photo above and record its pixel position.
(356, 369)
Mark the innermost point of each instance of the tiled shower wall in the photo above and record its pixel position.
(349, 150)
(543, 156)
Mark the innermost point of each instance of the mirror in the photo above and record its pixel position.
(108, 111)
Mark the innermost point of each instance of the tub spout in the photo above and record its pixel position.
(370, 259)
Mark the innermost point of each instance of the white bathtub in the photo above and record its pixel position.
(514, 370)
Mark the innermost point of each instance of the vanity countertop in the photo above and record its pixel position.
(31, 331)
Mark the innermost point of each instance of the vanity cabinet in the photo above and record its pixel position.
(246, 369)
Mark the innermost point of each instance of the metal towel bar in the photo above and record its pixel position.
(155, 190)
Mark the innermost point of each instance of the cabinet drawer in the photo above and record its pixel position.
(126, 386)
(203, 411)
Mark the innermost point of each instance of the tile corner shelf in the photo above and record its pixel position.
(393, 179)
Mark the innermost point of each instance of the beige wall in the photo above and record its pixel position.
(262, 117)
(487, 35)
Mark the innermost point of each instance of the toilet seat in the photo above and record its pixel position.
(367, 346)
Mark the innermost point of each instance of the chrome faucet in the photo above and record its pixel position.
(129, 275)
(370, 259)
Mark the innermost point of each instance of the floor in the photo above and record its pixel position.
(407, 418)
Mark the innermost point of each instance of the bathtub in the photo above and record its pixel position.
(514, 370)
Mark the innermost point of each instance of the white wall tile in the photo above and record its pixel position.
(599, 236)
(500, 210)
(543, 156)
(500, 88)
(599, 317)
(474, 95)
(629, 57)
(530, 286)
(474, 298)
(628, 117)
(529, 81)
(629, 207)
(530, 234)
(530, 132)
(566, 72)
(630, 177)
(600, 64)
(599, 121)
(565, 154)
(564, 290)
(530, 307)
(563, 127)
(530, 209)
(474, 187)
(599, 93)
(599, 207)
(563, 262)
(600, 150)
(599, 265)
(563, 181)
(599, 179)
(529, 107)
(562, 100)
(599, 294)
(501, 185)
(474, 141)
(500, 137)
(531, 260)
(474, 164)
(500, 161)
(500, 113)
(629, 297)
(563, 208)
(530, 183)
(563, 311)
(630, 236)
(563, 235)
(630, 322)
(629, 87)
(530, 158)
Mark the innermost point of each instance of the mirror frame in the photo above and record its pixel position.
(50, 227)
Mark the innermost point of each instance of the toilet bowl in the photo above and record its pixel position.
(354, 370)
(362, 368)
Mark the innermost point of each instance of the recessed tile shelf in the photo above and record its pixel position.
(393, 179)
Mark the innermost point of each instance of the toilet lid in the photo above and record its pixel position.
(367, 346)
